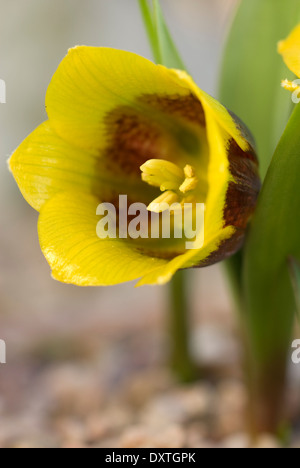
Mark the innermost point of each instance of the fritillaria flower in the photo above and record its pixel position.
(120, 125)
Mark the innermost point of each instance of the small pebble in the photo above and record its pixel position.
(143, 437)
(267, 441)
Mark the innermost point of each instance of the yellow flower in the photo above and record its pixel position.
(118, 124)
(290, 51)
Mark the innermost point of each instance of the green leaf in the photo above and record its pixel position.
(169, 55)
(162, 44)
(294, 267)
(253, 70)
(273, 238)
(150, 28)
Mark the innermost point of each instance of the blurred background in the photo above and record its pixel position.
(87, 367)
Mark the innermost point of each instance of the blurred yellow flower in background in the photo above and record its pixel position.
(290, 51)
(119, 124)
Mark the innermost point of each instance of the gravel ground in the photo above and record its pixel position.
(72, 393)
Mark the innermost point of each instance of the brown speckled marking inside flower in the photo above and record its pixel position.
(186, 107)
(139, 133)
(132, 140)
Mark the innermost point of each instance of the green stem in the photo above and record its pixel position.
(265, 369)
(267, 386)
(181, 359)
(162, 45)
(294, 269)
(233, 268)
(150, 29)
(168, 53)
(165, 53)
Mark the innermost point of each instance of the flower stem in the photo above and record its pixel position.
(181, 359)
(265, 358)
(150, 29)
(165, 52)
(267, 396)
(163, 47)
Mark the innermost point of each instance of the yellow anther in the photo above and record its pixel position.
(163, 202)
(290, 85)
(171, 179)
(189, 171)
(163, 184)
(160, 173)
(189, 184)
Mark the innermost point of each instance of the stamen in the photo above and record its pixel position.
(290, 85)
(189, 184)
(189, 171)
(162, 172)
(176, 183)
(163, 202)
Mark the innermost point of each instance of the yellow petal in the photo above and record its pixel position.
(191, 258)
(67, 233)
(92, 81)
(221, 115)
(44, 164)
(290, 51)
(68, 239)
